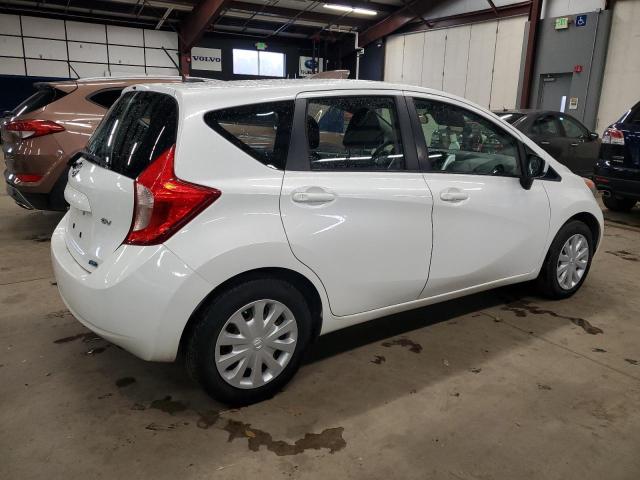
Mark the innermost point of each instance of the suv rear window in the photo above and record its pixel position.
(106, 98)
(43, 97)
(139, 127)
(261, 130)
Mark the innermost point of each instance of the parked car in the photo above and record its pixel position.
(561, 135)
(617, 173)
(192, 228)
(43, 132)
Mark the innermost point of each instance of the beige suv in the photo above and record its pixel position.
(42, 133)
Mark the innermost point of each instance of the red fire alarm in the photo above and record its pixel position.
(577, 68)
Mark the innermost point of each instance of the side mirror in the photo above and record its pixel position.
(534, 168)
(593, 136)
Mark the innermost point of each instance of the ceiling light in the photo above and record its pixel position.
(348, 9)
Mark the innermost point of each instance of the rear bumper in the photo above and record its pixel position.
(140, 298)
(26, 198)
(617, 180)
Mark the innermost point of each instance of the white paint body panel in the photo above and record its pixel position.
(367, 253)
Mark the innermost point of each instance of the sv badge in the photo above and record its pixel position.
(105, 221)
(75, 168)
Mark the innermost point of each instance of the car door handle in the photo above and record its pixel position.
(544, 143)
(313, 197)
(453, 195)
(575, 144)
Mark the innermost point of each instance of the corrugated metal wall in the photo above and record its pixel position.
(480, 62)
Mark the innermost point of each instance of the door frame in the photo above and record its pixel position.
(298, 154)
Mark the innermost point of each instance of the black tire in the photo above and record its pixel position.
(618, 204)
(200, 346)
(547, 281)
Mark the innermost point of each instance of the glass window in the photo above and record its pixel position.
(572, 128)
(354, 133)
(106, 98)
(510, 117)
(259, 63)
(43, 97)
(140, 127)
(459, 141)
(546, 126)
(261, 130)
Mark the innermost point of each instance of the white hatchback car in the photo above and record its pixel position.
(234, 222)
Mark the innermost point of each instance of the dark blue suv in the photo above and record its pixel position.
(617, 172)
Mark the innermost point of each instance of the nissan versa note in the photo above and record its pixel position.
(43, 132)
(233, 223)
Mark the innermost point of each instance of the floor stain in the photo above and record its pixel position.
(15, 298)
(207, 419)
(378, 360)
(404, 342)
(522, 307)
(168, 405)
(58, 314)
(95, 351)
(86, 338)
(125, 382)
(632, 361)
(624, 255)
(542, 386)
(157, 427)
(106, 395)
(40, 238)
(598, 350)
(475, 370)
(330, 439)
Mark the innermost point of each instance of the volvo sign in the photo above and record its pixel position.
(206, 59)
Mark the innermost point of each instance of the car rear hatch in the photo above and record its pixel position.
(621, 141)
(140, 128)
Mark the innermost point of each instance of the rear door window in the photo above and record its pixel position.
(106, 98)
(43, 97)
(546, 126)
(262, 130)
(572, 129)
(139, 127)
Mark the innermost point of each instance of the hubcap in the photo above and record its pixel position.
(573, 261)
(256, 344)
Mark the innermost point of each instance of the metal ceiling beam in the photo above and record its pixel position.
(530, 56)
(291, 12)
(204, 14)
(493, 6)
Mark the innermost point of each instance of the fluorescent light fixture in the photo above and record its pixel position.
(348, 9)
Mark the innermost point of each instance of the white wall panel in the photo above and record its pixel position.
(45, 49)
(87, 52)
(9, 24)
(621, 82)
(158, 58)
(47, 68)
(90, 69)
(124, 70)
(433, 59)
(456, 58)
(43, 27)
(162, 71)
(125, 36)
(160, 38)
(506, 69)
(126, 55)
(11, 46)
(86, 32)
(12, 66)
(412, 59)
(394, 49)
(482, 47)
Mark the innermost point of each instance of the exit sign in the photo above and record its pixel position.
(562, 23)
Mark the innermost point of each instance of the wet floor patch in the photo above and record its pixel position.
(632, 361)
(159, 427)
(125, 382)
(404, 342)
(521, 308)
(598, 350)
(625, 255)
(378, 359)
(330, 439)
(168, 405)
(58, 314)
(542, 386)
(86, 338)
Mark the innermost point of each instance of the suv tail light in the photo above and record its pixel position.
(613, 136)
(33, 128)
(164, 203)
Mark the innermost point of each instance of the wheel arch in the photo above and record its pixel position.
(298, 280)
(591, 221)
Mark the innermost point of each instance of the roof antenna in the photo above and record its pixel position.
(184, 77)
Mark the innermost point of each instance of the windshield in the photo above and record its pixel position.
(138, 128)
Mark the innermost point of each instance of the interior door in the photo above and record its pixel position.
(486, 227)
(554, 91)
(355, 208)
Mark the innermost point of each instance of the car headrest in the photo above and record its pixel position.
(313, 132)
(364, 130)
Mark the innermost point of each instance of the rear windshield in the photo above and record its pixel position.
(137, 129)
(43, 97)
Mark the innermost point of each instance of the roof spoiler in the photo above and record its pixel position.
(66, 86)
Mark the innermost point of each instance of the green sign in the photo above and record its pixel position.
(261, 45)
(562, 23)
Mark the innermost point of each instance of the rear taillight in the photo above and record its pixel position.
(164, 203)
(33, 128)
(613, 136)
(27, 178)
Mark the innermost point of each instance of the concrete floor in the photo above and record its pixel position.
(501, 385)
